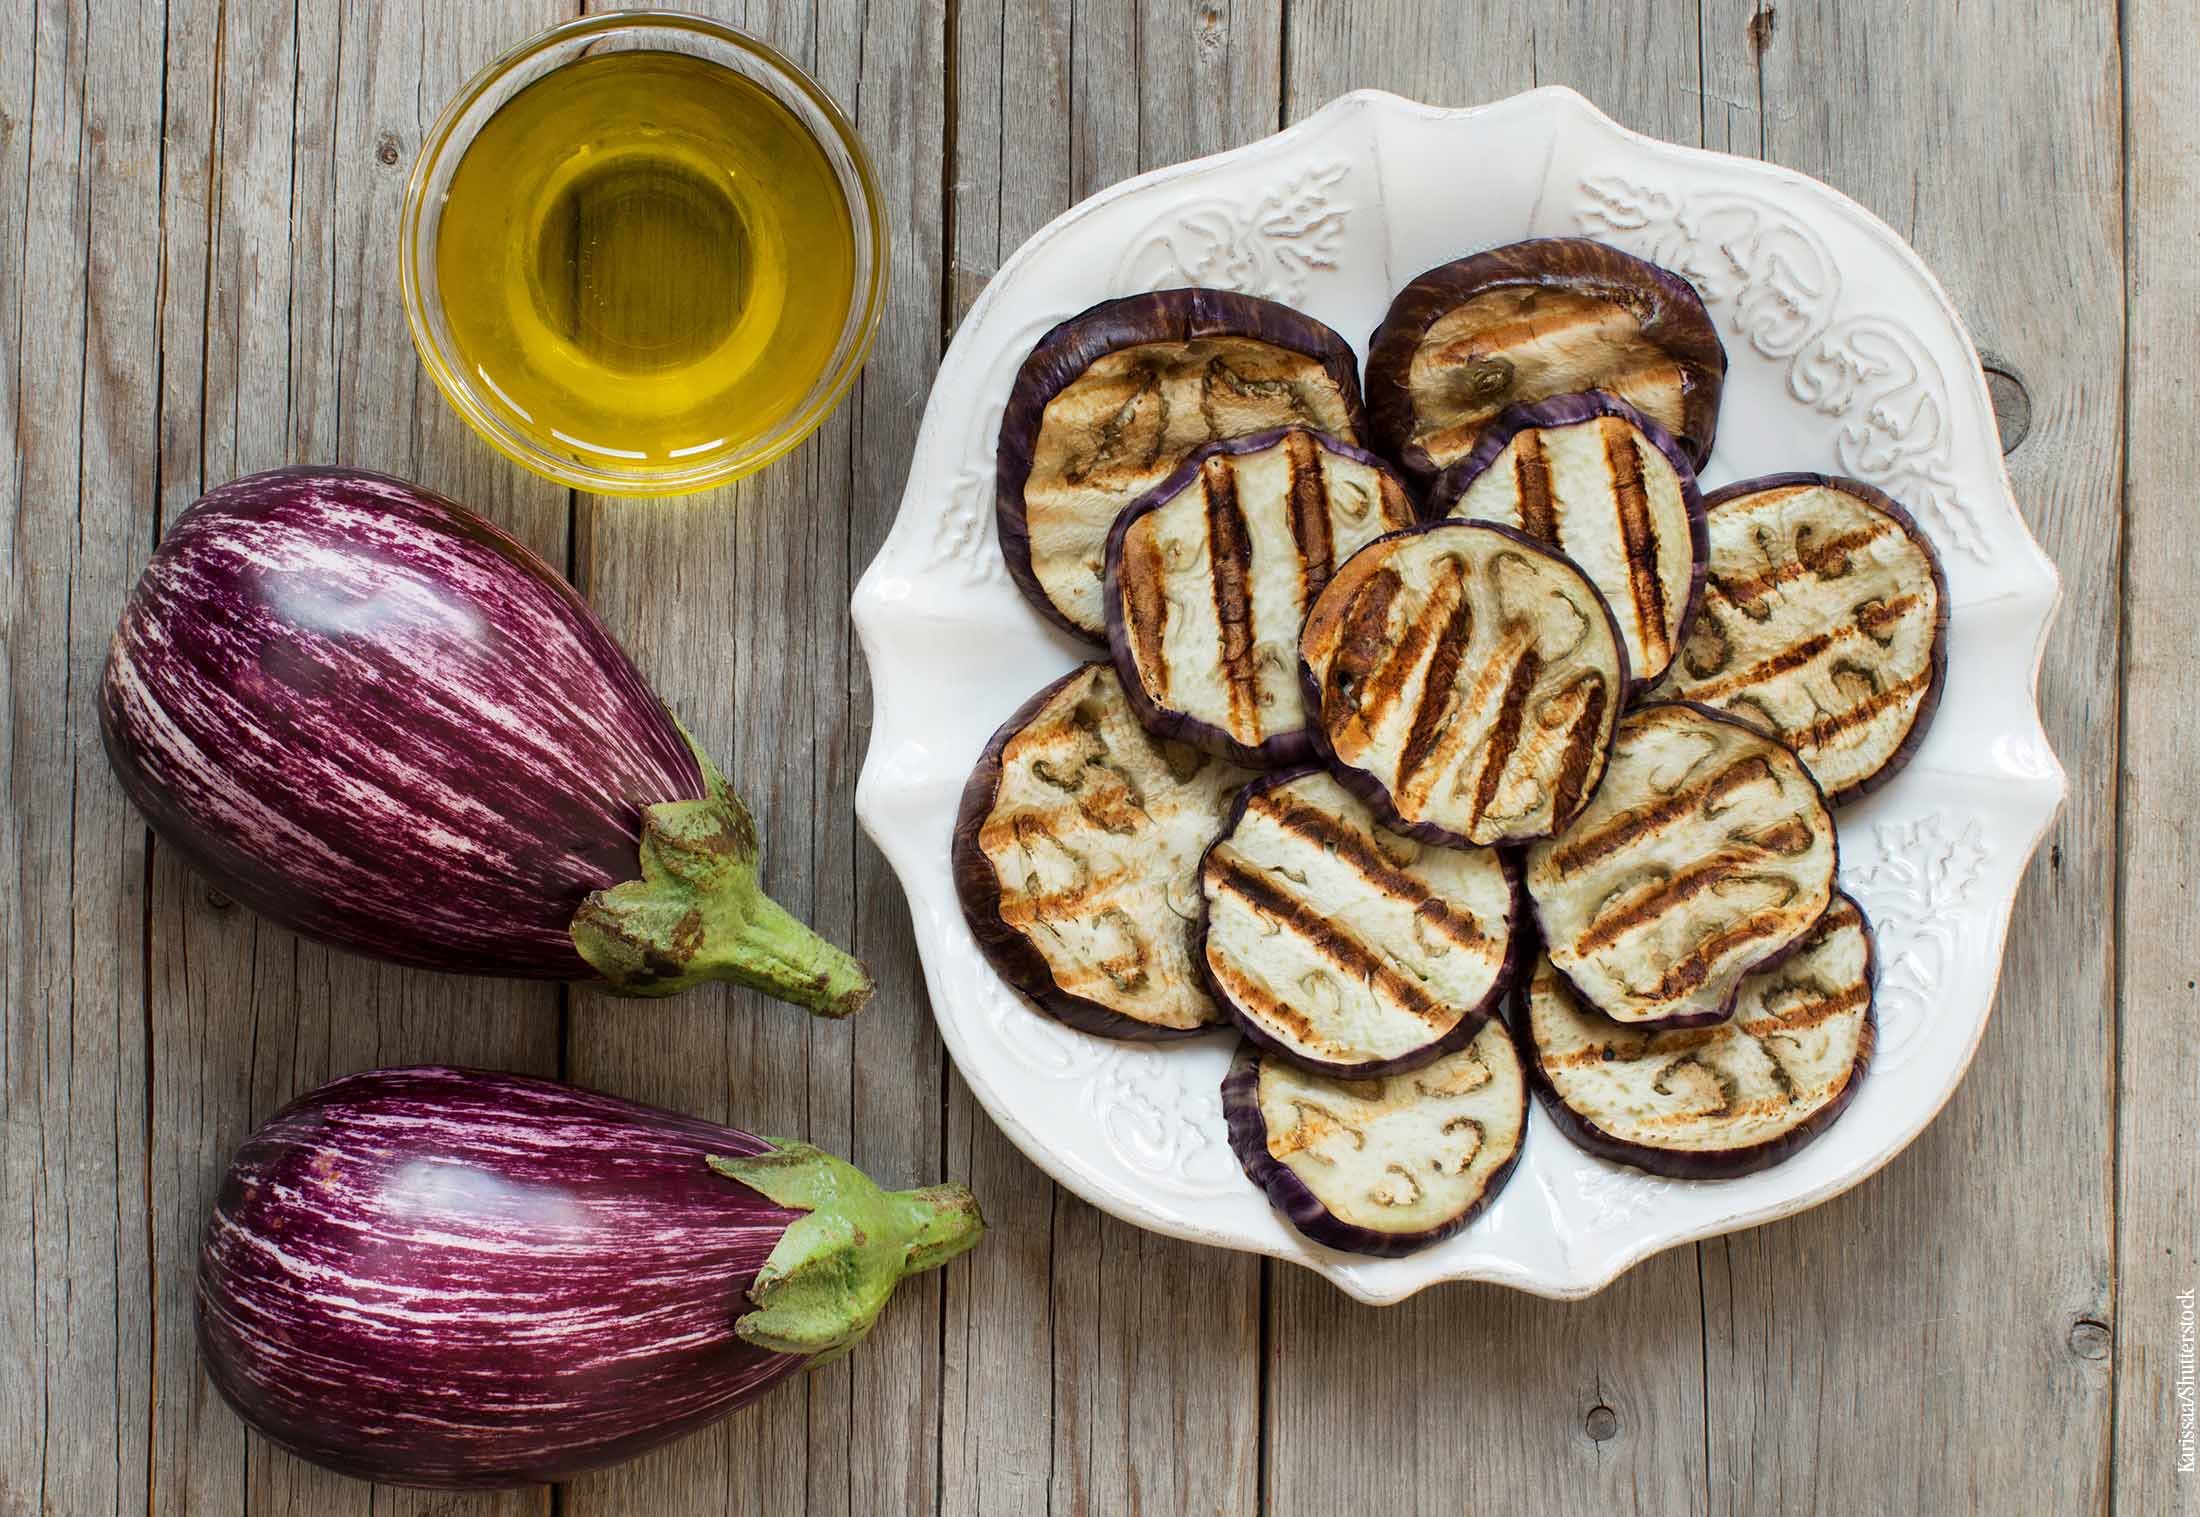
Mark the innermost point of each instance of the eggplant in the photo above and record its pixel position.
(1386, 1166)
(1609, 488)
(1076, 860)
(1209, 575)
(1465, 681)
(465, 1280)
(1113, 400)
(1825, 621)
(1707, 852)
(1342, 947)
(378, 720)
(1713, 1102)
(1524, 322)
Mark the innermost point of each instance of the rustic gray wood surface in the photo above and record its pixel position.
(198, 278)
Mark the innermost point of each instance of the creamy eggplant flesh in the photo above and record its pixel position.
(1608, 498)
(1799, 1035)
(1473, 677)
(1408, 1153)
(1213, 583)
(1819, 622)
(1344, 943)
(1523, 343)
(1706, 851)
(1126, 424)
(1096, 832)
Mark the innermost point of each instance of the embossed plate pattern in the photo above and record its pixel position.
(1846, 357)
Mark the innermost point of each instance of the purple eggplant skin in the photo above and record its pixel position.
(1372, 790)
(378, 720)
(978, 889)
(1300, 1206)
(1071, 347)
(1590, 1138)
(1771, 960)
(1285, 749)
(1571, 410)
(1452, 1041)
(1900, 515)
(466, 1280)
(1671, 312)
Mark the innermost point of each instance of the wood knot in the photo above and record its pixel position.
(386, 149)
(1602, 1423)
(2090, 1339)
(216, 901)
(2012, 401)
(1760, 30)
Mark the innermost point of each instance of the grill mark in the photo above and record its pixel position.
(1436, 689)
(1313, 825)
(1388, 682)
(1573, 764)
(1362, 637)
(1505, 733)
(1230, 556)
(1827, 728)
(1532, 478)
(1348, 953)
(1310, 529)
(1519, 331)
(1675, 890)
(1600, 845)
(1267, 1008)
(1147, 606)
(1623, 457)
(1736, 591)
(1812, 1013)
(1888, 613)
(1691, 971)
(1786, 661)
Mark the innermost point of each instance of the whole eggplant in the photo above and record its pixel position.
(377, 719)
(458, 1279)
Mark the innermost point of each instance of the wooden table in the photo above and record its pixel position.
(198, 204)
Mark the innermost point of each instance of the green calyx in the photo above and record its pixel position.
(834, 1268)
(698, 913)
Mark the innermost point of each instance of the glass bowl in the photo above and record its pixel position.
(445, 148)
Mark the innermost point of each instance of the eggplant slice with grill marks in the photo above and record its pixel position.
(1465, 681)
(1609, 488)
(1112, 401)
(1709, 1103)
(1384, 1166)
(1209, 576)
(1825, 621)
(1707, 852)
(1342, 947)
(1076, 859)
(1551, 316)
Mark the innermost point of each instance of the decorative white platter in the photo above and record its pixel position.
(1845, 357)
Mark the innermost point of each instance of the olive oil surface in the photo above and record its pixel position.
(646, 259)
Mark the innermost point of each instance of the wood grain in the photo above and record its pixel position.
(2157, 1203)
(1880, 1349)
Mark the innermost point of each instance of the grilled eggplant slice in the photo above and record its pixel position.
(1609, 488)
(1552, 316)
(1825, 621)
(1076, 859)
(1707, 852)
(1111, 402)
(1344, 948)
(1465, 680)
(1209, 576)
(1712, 1102)
(1386, 1166)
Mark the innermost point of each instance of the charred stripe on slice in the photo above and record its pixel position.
(1632, 497)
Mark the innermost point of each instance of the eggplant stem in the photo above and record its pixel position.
(698, 913)
(837, 1264)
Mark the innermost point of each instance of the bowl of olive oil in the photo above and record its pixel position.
(643, 254)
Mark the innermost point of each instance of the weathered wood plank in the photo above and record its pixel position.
(1091, 1367)
(2158, 1189)
(80, 145)
(1475, 1398)
(1875, 1353)
(736, 604)
(288, 156)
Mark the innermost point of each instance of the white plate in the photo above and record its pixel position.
(1846, 357)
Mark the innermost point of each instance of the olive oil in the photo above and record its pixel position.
(647, 260)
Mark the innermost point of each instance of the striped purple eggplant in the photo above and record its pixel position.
(377, 719)
(457, 1279)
